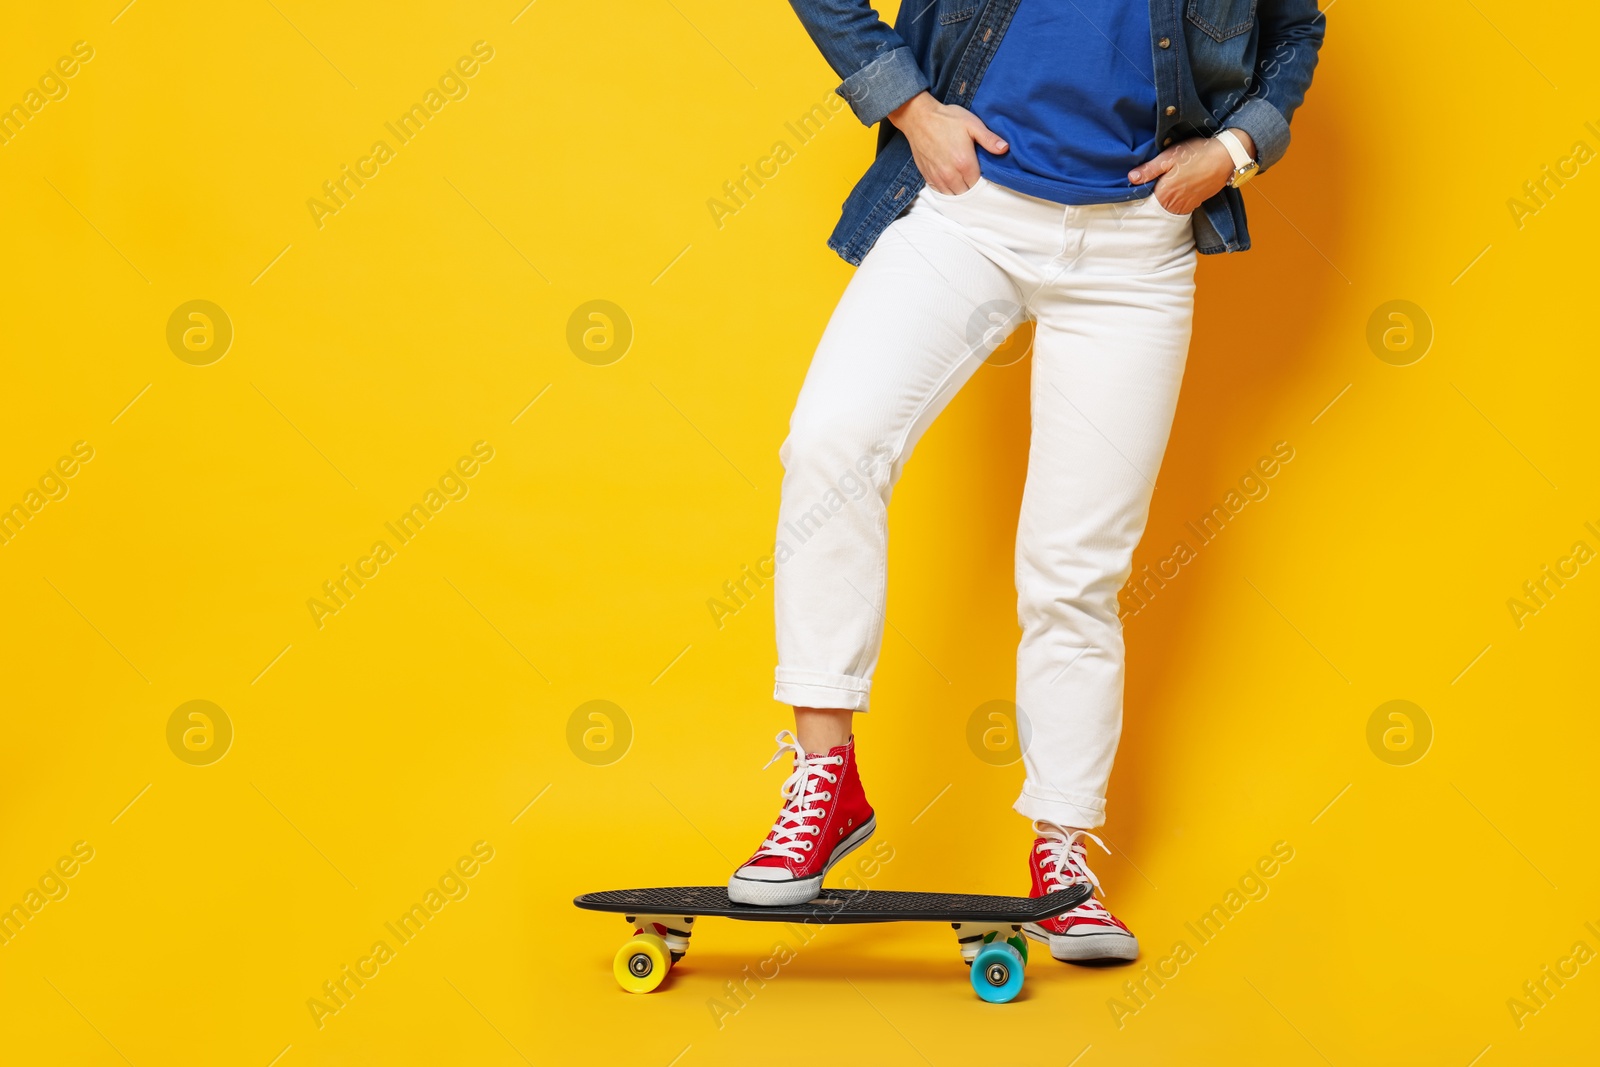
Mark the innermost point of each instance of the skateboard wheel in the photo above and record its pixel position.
(997, 972)
(641, 963)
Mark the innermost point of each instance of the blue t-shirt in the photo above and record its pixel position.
(1072, 90)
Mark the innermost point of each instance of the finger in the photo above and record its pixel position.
(992, 142)
(1152, 169)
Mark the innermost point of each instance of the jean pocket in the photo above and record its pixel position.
(973, 188)
(1222, 19)
(1162, 208)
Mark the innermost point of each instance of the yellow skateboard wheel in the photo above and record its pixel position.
(641, 963)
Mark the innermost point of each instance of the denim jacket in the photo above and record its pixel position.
(1218, 63)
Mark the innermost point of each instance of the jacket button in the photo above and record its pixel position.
(1171, 110)
(1165, 42)
(1163, 145)
(987, 34)
(901, 193)
(962, 90)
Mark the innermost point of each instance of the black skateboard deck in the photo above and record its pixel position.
(838, 906)
(988, 928)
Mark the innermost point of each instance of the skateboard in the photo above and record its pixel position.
(988, 928)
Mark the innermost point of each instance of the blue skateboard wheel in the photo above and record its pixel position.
(997, 972)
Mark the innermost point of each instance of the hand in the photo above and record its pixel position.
(1190, 172)
(942, 136)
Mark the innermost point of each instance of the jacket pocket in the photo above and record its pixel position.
(949, 18)
(1222, 19)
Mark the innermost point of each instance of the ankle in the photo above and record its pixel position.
(1069, 832)
(821, 729)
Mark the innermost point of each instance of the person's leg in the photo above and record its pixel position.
(819, 729)
(897, 349)
(895, 352)
(1109, 352)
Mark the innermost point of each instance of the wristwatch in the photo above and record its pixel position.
(1244, 167)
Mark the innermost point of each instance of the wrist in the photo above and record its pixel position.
(910, 112)
(1242, 162)
(1246, 140)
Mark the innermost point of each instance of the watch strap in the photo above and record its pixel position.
(1236, 149)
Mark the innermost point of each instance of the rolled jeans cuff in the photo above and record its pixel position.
(883, 85)
(816, 689)
(1266, 126)
(1064, 809)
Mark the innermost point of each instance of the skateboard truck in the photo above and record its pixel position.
(657, 944)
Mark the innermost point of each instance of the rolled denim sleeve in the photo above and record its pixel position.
(880, 72)
(1292, 32)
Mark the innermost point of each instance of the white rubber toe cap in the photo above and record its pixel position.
(770, 894)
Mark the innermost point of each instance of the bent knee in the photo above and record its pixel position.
(839, 449)
(1081, 602)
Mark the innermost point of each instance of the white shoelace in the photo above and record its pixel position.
(1066, 861)
(800, 791)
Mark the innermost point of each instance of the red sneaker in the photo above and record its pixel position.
(825, 817)
(1089, 931)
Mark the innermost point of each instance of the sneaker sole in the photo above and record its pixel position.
(798, 890)
(1086, 948)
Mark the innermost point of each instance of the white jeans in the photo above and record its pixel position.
(1111, 289)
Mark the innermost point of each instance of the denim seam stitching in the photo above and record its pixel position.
(1216, 32)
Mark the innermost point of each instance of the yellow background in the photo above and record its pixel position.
(370, 754)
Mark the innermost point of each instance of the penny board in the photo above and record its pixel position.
(839, 906)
